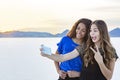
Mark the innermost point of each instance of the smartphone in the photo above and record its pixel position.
(46, 49)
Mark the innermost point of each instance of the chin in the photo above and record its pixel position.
(94, 41)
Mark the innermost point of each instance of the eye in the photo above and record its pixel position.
(96, 30)
(78, 28)
(83, 30)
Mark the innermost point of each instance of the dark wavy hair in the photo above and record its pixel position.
(86, 22)
(105, 45)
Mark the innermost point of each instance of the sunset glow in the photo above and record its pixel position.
(55, 15)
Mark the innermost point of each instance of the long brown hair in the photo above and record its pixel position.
(86, 22)
(105, 45)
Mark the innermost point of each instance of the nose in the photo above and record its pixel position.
(79, 31)
(91, 33)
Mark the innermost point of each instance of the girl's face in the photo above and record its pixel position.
(95, 33)
(80, 31)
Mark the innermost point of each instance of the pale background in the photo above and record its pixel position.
(20, 59)
(55, 16)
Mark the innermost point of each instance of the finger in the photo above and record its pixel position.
(97, 48)
(41, 49)
(92, 49)
(63, 71)
(43, 54)
(63, 77)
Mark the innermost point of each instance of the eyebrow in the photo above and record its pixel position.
(94, 28)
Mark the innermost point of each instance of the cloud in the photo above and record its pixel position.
(106, 9)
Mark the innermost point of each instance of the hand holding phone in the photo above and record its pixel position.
(46, 50)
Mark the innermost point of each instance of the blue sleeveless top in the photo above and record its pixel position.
(67, 45)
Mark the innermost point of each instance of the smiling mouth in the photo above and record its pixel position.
(93, 38)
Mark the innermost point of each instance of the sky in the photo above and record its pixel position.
(55, 16)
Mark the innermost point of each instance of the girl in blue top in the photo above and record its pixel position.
(99, 56)
(70, 69)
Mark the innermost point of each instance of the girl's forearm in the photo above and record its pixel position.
(105, 71)
(55, 57)
(64, 57)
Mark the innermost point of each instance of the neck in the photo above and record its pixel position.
(98, 44)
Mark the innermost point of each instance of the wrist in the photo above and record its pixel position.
(58, 71)
(100, 62)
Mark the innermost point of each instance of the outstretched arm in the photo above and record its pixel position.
(61, 58)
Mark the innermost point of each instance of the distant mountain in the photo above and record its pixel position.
(62, 34)
(115, 32)
(31, 34)
(25, 34)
